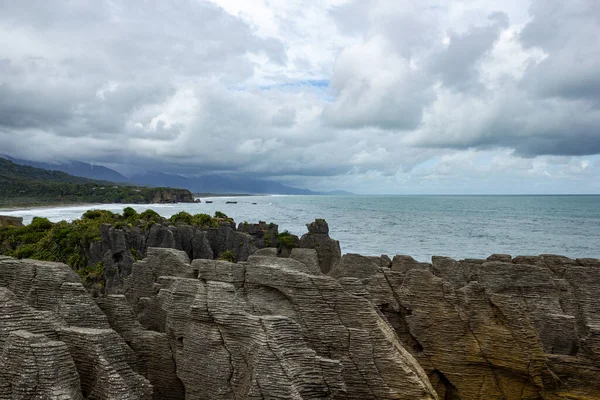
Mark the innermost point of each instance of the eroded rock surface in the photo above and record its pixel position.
(328, 249)
(56, 343)
(501, 328)
(279, 328)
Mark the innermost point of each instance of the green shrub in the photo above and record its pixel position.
(286, 239)
(104, 215)
(92, 275)
(227, 256)
(149, 215)
(205, 221)
(130, 214)
(39, 224)
(182, 218)
(137, 256)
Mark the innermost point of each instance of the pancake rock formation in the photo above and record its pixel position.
(309, 326)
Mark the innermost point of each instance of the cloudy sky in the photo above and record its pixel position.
(372, 96)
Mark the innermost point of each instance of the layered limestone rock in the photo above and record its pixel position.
(55, 343)
(263, 234)
(119, 248)
(502, 328)
(250, 330)
(317, 238)
(35, 367)
(280, 328)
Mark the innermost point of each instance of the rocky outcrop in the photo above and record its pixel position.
(56, 343)
(32, 366)
(250, 330)
(502, 328)
(119, 248)
(317, 238)
(263, 234)
(169, 195)
(6, 220)
(272, 327)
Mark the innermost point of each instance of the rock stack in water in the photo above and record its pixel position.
(281, 328)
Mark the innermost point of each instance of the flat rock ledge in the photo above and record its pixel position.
(281, 328)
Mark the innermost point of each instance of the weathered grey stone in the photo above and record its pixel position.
(267, 252)
(317, 238)
(35, 367)
(141, 286)
(201, 246)
(271, 327)
(357, 266)
(160, 236)
(527, 328)
(154, 356)
(225, 238)
(318, 226)
(500, 257)
(263, 234)
(267, 336)
(51, 331)
(308, 257)
(105, 364)
(403, 264)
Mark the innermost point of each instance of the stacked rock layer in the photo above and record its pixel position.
(311, 326)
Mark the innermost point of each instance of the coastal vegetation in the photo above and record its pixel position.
(25, 186)
(69, 242)
(286, 239)
(228, 256)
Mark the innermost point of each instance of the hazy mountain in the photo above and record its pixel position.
(75, 168)
(217, 184)
(200, 184)
(22, 185)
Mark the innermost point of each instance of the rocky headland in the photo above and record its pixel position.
(170, 316)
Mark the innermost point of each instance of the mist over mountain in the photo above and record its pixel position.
(213, 183)
(75, 168)
(217, 184)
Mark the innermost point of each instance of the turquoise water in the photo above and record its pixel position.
(420, 226)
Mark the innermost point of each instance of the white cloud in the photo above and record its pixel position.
(366, 95)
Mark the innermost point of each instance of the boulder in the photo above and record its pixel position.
(308, 257)
(317, 238)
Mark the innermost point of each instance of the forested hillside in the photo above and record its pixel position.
(22, 185)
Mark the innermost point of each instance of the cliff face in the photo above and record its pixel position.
(501, 328)
(119, 248)
(273, 327)
(6, 220)
(169, 195)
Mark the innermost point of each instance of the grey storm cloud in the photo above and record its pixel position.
(309, 89)
(457, 65)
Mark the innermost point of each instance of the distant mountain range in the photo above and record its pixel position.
(76, 168)
(23, 185)
(221, 184)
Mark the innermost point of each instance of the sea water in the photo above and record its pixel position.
(420, 226)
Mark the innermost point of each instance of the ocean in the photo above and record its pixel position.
(419, 226)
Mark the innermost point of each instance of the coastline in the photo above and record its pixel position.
(45, 206)
(30, 206)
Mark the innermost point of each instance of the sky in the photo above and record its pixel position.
(370, 96)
